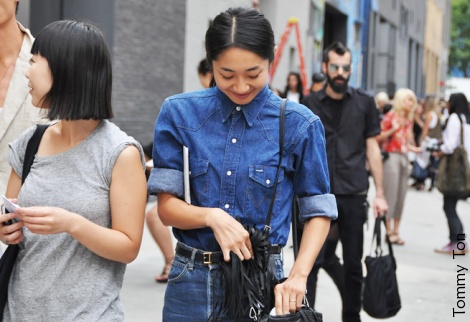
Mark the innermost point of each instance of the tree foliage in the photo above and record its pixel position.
(459, 56)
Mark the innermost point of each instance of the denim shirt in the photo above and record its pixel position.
(233, 159)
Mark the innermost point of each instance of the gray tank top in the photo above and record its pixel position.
(55, 277)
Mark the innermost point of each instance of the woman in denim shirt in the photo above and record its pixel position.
(232, 133)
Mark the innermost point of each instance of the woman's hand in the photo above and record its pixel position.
(46, 220)
(289, 295)
(10, 234)
(230, 234)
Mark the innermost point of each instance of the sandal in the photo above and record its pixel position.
(163, 277)
(396, 240)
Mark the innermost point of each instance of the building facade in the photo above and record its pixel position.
(156, 45)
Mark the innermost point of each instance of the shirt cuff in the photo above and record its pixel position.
(319, 205)
(165, 180)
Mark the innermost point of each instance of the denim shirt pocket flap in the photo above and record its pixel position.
(197, 167)
(265, 175)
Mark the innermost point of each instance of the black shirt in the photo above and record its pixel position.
(348, 123)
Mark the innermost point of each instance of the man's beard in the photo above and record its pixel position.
(339, 88)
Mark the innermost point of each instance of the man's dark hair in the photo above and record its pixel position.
(80, 65)
(243, 28)
(318, 77)
(203, 67)
(17, 4)
(336, 47)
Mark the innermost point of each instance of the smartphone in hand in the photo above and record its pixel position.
(10, 207)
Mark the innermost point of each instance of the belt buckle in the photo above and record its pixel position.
(206, 258)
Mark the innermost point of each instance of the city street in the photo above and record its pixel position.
(427, 280)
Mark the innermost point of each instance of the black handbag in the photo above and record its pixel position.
(8, 259)
(454, 171)
(250, 284)
(380, 296)
(306, 314)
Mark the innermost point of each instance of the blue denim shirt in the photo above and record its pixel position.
(233, 158)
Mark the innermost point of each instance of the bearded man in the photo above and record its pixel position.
(351, 122)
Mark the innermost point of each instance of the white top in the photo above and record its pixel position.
(434, 120)
(451, 135)
(294, 97)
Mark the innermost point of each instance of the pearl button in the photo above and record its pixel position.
(234, 140)
(229, 173)
(238, 108)
(268, 181)
(227, 206)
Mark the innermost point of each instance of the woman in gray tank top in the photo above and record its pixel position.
(83, 202)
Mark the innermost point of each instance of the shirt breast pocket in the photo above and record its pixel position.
(199, 181)
(259, 192)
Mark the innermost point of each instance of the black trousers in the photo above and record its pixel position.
(453, 220)
(347, 276)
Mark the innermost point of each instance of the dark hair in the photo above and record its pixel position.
(16, 11)
(299, 88)
(243, 28)
(458, 104)
(318, 77)
(337, 47)
(80, 65)
(203, 67)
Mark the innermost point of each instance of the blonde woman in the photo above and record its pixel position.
(397, 139)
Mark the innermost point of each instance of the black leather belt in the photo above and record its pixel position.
(213, 257)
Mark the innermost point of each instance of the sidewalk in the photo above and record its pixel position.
(427, 280)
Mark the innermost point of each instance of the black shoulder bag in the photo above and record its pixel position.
(9, 257)
(380, 296)
(250, 284)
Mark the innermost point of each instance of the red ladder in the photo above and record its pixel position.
(292, 22)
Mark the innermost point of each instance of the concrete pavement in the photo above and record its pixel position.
(427, 280)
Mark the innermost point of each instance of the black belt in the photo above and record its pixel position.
(213, 257)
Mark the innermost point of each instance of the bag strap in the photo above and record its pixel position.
(32, 149)
(461, 130)
(377, 236)
(267, 226)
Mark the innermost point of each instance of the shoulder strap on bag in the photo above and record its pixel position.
(281, 150)
(32, 149)
(461, 130)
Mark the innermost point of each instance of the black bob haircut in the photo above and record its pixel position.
(336, 47)
(243, 28)
(80, 65)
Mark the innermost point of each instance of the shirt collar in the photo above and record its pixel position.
(322, 93)
(250, 110)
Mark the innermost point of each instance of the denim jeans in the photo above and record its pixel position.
(455, 225)
(195, 291)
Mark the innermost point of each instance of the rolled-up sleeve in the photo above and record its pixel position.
(311, 178)
(321, 205)
(167, 174)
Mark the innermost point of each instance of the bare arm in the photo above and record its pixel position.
(313, 237)
(128, 194)
(374, 159)
(230, 234)
(385, 134)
